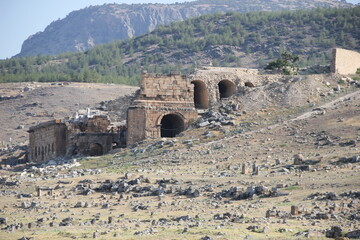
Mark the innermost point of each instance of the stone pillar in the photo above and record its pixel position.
(294, 210)
(255, 169)
(244, 169)
(30, 225)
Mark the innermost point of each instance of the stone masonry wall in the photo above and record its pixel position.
(345, 61)
(56, 138)
(240, 77)
(173, 87)
(98, 124)
(47, 141)
(93, 144)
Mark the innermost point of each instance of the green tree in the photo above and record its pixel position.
(285, 64)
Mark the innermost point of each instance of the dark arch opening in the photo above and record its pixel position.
(96, 149)
(171, 125)
(226, 88)
(115, 145)
(123, 138)
(201, 95)
(249, 84)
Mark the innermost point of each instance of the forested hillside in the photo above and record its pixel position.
(232, 39)
(94, 25)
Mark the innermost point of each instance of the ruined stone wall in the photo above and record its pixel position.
(47, 141)
(173, 87)
(98, 124)
(239, 77)
(345, 61)
(136, 124)
(93, 144)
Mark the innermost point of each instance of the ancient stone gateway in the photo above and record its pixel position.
(164, 107)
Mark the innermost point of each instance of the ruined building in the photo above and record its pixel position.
(90, 134)
(164, 106)
(345, 61)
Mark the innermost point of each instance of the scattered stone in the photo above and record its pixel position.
(334, 232)
(3, 221)
(294, 210)
(298, 159)
(353, 234)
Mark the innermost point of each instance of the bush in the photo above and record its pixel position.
(285, 64)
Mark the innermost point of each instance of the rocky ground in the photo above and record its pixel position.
(270, 171)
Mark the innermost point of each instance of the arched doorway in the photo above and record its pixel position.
(226, 88)
(171, 125)
(201, 95)
(96, 149)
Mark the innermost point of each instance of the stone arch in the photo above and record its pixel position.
(201, 95)
(171, 124)
(249, 84)
(226, 88)
(96, 149)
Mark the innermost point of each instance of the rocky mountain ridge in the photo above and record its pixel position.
(94, 25)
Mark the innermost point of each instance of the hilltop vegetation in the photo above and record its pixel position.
(94, 25)
(232, 39)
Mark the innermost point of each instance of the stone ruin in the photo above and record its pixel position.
(167, 104)
(345, 61)
(90, 134)
(164, 106)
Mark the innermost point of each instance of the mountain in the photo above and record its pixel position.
(83, 29)
(231, 39)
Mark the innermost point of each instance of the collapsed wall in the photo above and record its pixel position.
(345, 61)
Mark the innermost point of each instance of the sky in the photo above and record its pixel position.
(21, 18)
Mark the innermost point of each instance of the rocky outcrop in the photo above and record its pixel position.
(85, 28)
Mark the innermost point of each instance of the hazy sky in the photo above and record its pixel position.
(21, 18)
